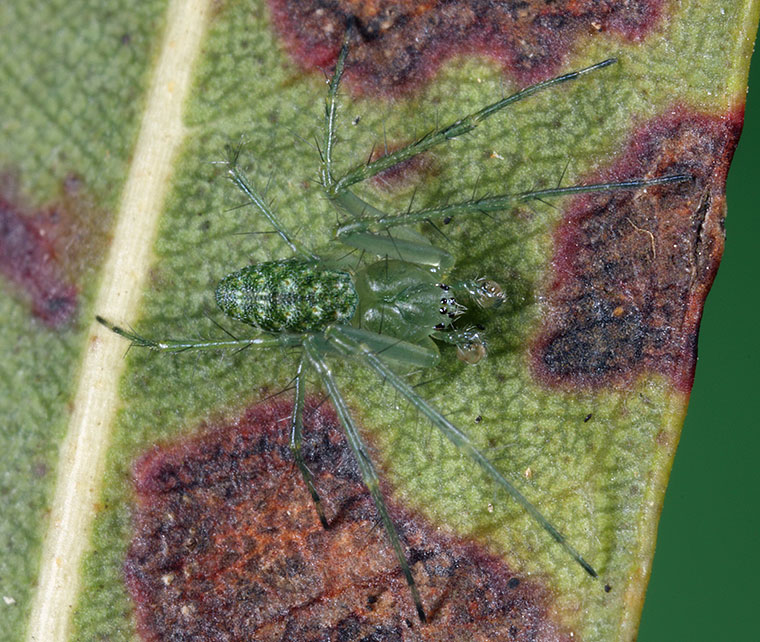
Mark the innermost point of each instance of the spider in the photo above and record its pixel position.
(385, 314)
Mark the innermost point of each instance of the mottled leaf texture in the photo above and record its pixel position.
(154, 497)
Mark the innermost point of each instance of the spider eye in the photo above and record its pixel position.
(490, 294)
(472, 352)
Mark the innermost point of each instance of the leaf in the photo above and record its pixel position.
(113, 120)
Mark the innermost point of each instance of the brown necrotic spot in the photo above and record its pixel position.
(631, 269)
(46, 251)
(405, 173)
(398, 44)
(30, 260)
(227, 546)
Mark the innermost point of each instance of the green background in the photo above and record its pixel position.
(706, 574)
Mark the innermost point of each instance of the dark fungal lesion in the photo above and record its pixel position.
(47, 250)
(225, 545)
(28, 260)
(631, 271)
(399, 44)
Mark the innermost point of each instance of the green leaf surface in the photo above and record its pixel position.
(113, 121)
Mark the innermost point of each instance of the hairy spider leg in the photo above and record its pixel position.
(296, 438)
(362, 231)
(240, 180)
(181, 345)
(367, 469)
(457, 436)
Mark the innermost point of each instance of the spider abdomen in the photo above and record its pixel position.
(288, 296)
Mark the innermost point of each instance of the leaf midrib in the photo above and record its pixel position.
(96, 399)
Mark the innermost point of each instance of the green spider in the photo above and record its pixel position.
(387, 314)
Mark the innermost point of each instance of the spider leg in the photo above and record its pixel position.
(402, 353)
(480, 206)
(331, 110)
(258, 200)
(368, 218)
(345, 344)
(296, 438)
(179, 345)
(369, 476)
(393, 246)
(461, 126)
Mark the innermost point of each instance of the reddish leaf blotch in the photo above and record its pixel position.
(631, 269)
(399, 44)
(408, 172)
(30, 260)
(227, 546)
